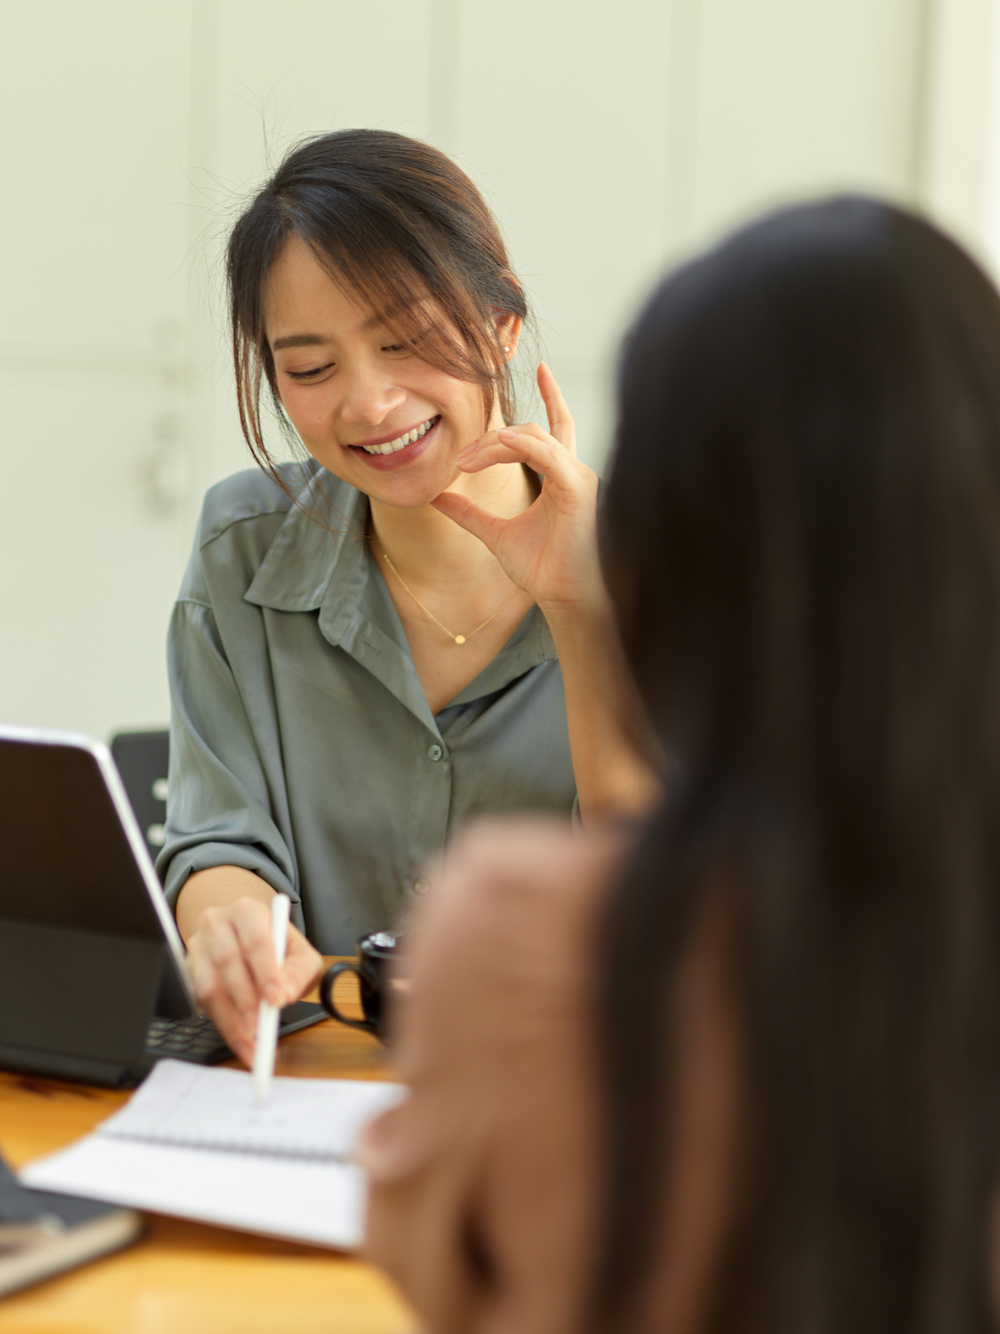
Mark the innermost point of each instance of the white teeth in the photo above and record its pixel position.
(401, 441)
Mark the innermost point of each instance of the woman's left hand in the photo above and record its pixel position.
(549, 550)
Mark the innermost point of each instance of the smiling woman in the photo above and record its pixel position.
(368, 396)
(409, 629)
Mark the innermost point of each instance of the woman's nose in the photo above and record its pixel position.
(369, 396)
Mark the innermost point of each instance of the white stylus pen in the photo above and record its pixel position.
(267, 1016)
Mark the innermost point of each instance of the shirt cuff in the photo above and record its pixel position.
(176, 867)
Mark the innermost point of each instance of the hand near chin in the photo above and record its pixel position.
(549, 550)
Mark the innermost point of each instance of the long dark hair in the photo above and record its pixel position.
(802, 534)
(403, 228)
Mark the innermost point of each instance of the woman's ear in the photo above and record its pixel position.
(509, 333)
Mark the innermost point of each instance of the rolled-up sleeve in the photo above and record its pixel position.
(219, 812)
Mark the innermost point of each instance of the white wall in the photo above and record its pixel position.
(988, 142)
(958, 115)
(610, 139)
(961, 180)
(92, 318)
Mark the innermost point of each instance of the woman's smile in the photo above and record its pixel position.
(400, 450)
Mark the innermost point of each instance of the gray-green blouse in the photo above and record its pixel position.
(302, 745)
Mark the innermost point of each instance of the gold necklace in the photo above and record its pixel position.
(459, 639)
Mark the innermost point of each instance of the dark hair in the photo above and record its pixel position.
(406, 230)
(802, 534)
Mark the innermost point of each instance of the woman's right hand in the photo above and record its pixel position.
(550, 549)
(232, 968)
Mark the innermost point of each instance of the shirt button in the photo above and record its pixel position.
(435, 752)
(421, 886)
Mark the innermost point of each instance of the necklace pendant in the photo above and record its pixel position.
(460, 639)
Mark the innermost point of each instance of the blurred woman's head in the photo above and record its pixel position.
(802, 534)
(388, 246)
(804, 514)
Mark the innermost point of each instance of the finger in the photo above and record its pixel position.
(491, 437)
(236, 1026)
(472, 517)
(205, 981)
(561, 423)
(252, 924)
(239, 1032)
(220, 944)
(302, 968)
(544, 454)
(488, 455)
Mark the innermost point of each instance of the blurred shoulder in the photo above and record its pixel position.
(535, 856)
(525, 887)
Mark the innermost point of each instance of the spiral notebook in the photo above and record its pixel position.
(192, 1142)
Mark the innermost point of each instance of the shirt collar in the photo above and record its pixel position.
(322, 537)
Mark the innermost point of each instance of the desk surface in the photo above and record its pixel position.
(187, 1278)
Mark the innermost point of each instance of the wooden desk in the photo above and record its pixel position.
(188, 1278)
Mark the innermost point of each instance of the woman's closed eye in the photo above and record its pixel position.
(309, 374)
(405, 346)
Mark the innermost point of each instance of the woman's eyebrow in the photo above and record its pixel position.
(298, 340)
(380, 320)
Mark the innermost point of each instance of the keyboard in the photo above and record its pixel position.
(199, 1040)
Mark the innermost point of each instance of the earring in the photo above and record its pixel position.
(506, 349)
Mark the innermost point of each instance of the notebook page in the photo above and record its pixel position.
(319, 1203)
(198, 1106)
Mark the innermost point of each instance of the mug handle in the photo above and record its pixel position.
(328, 1003)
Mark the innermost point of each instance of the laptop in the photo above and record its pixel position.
(92, 979)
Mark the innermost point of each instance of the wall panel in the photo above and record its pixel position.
(93, 306)
(90, 561)
(93, 104)
(803, 97)
(564, 123)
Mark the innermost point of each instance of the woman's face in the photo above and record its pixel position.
(367, 408)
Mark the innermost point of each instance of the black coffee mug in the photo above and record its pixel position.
(376, 952)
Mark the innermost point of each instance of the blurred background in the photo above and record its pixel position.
(612, 139)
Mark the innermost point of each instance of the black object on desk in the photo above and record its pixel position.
(198, 1039)
(90, 955)
(43, 1234)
